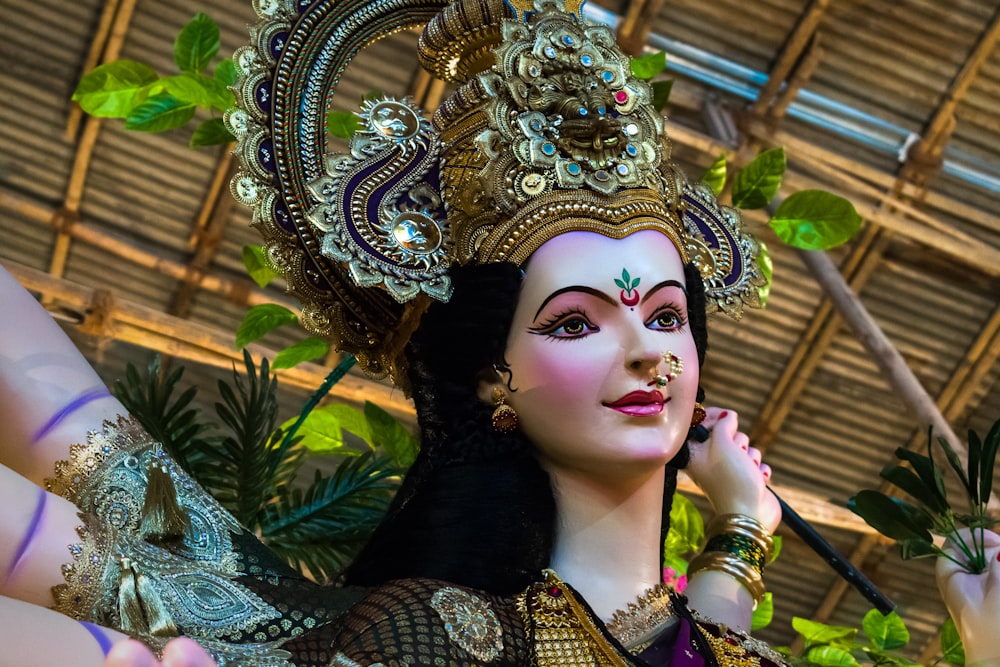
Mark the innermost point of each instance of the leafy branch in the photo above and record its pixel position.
(133, 90)
(826, 645)
(912, 524)
(807, 219)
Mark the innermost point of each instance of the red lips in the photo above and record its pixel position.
(638, 398)
(639, 403)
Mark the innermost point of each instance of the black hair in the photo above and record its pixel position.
(476, 509)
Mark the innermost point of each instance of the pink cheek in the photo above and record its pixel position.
(549, 371)
(564, 379)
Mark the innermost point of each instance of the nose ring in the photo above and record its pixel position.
(675, 366)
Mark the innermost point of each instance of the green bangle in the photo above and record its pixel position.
(746, 549)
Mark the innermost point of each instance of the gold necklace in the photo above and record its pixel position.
(639, 623)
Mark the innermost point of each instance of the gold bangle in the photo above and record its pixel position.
(742, 571)
(740, 524)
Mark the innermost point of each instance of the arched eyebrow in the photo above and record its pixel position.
(659, 286)
(574, 288)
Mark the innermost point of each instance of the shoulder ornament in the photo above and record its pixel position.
(470, 622)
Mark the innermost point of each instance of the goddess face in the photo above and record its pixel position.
(589, 351)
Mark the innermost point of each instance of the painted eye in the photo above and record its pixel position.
(567, 326)
(573, 327)
(667, 320)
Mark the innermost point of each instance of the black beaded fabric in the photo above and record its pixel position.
(303, 604)
(395, 625)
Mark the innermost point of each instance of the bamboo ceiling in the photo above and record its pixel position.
(133, 241)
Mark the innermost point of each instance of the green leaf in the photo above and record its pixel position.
(912, 548)
(766, 267)
(758, 182)
(715, 176)
(211, 132)
(196, 44)
(892, 517)
(909, 481)
(373, 95)
(389, 434)
(322, 430)
(821, 633)
(322, 528)
(778, 542)
(198, 90)
(261, 319)
(831, 656)
(169, 419)
(114, 89)
(304, 350)
(886, 633)
(253, 462)
(956, 465)
(619, 283)
(159, 113)
(924, 466)
(988, 462)
(255, 261)
(661, 93)
(342, 124)
(880, 658)
(815, 220)
(687, 529)
(225, 72)
(188, 88)
(763, 613)
(647, 66)
(951, 644)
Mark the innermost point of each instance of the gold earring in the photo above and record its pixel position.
(504, 416)
(699, 414)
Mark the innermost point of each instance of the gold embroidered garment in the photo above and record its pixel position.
(215, 583)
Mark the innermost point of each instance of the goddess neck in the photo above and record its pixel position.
(607, 539)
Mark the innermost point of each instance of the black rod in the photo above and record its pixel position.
(818, 544)
(833, 558)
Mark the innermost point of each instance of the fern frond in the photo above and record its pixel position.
(170, 420)
(253, 461)
(323, 527)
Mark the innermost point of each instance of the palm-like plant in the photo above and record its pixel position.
(250, 464)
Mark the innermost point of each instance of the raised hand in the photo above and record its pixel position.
(730, 471)
(973, 600)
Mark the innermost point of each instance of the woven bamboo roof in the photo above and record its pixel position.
(133, 241)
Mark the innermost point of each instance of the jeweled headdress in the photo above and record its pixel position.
(547, 132)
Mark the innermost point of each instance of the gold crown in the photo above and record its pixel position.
(548, 132)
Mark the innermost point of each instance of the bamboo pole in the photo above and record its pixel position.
(883, 352)
(633, 32)
(69, 213)
(800, 76)
(206, 234)
(91, 61)
(814, 342)
(240, 292)
(797, 41)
